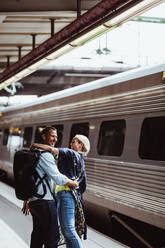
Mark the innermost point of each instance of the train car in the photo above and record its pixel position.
(124, 117)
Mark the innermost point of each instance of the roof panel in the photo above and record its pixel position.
(20, 19)
(42, 5)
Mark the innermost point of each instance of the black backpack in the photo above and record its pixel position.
(25, 174)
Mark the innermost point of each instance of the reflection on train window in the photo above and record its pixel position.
(5, 136)
(111, 138)
(38, 138)
(27, 137)
(14, 138)
(79, 128)
(60, 134)
(152, 139)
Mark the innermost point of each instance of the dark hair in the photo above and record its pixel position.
(47, 129)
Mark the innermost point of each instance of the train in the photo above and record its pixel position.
(124, 118)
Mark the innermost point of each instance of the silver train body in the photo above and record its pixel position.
(124, 118)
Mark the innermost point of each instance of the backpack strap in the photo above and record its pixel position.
(43, 184)
(41, 179)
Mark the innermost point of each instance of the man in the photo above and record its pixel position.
(43, 211)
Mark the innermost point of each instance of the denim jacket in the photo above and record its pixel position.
(71, 164)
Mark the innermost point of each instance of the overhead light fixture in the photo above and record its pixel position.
(8, 82)
(38, 64)
(91, 35)
(115, 22)
(59, 52)
(132, 12)
(21, 74)
(93, 75)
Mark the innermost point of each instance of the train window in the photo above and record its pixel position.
(5, 136)
(14, 138)
(27, 137)
(60, 134)
(152, 139)
(111, 138)
(38, 132)
(79, 128)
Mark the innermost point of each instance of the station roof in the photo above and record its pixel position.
(33, 33)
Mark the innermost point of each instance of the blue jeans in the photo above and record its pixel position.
(45, 224)
(66, 214)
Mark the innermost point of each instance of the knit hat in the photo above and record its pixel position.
(85, 142)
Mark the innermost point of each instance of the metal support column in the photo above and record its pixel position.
(78, 8)
(33, 41)
(19, 52)
(8, 61)
(52, 26)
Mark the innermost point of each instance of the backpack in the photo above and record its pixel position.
(25, 174)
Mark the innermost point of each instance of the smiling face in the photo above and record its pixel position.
(76, 145)
(50, 138)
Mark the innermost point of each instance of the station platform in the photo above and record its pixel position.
(15, 228)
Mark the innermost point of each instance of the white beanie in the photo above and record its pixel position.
(85, 142)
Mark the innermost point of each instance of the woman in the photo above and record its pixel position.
(71, 164)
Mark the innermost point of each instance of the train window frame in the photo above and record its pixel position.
(73, 130)
(152, 139)
(29, 137)
(5, 136)
(118, 129)
(15, 138)
(60, 129)
(1, 134)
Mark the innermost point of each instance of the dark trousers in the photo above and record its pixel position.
(45, 225)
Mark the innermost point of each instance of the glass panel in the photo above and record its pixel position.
(79, 128)
(27, 137)
(152, 139)
(111, 138)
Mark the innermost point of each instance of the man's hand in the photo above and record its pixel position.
(25, 208)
